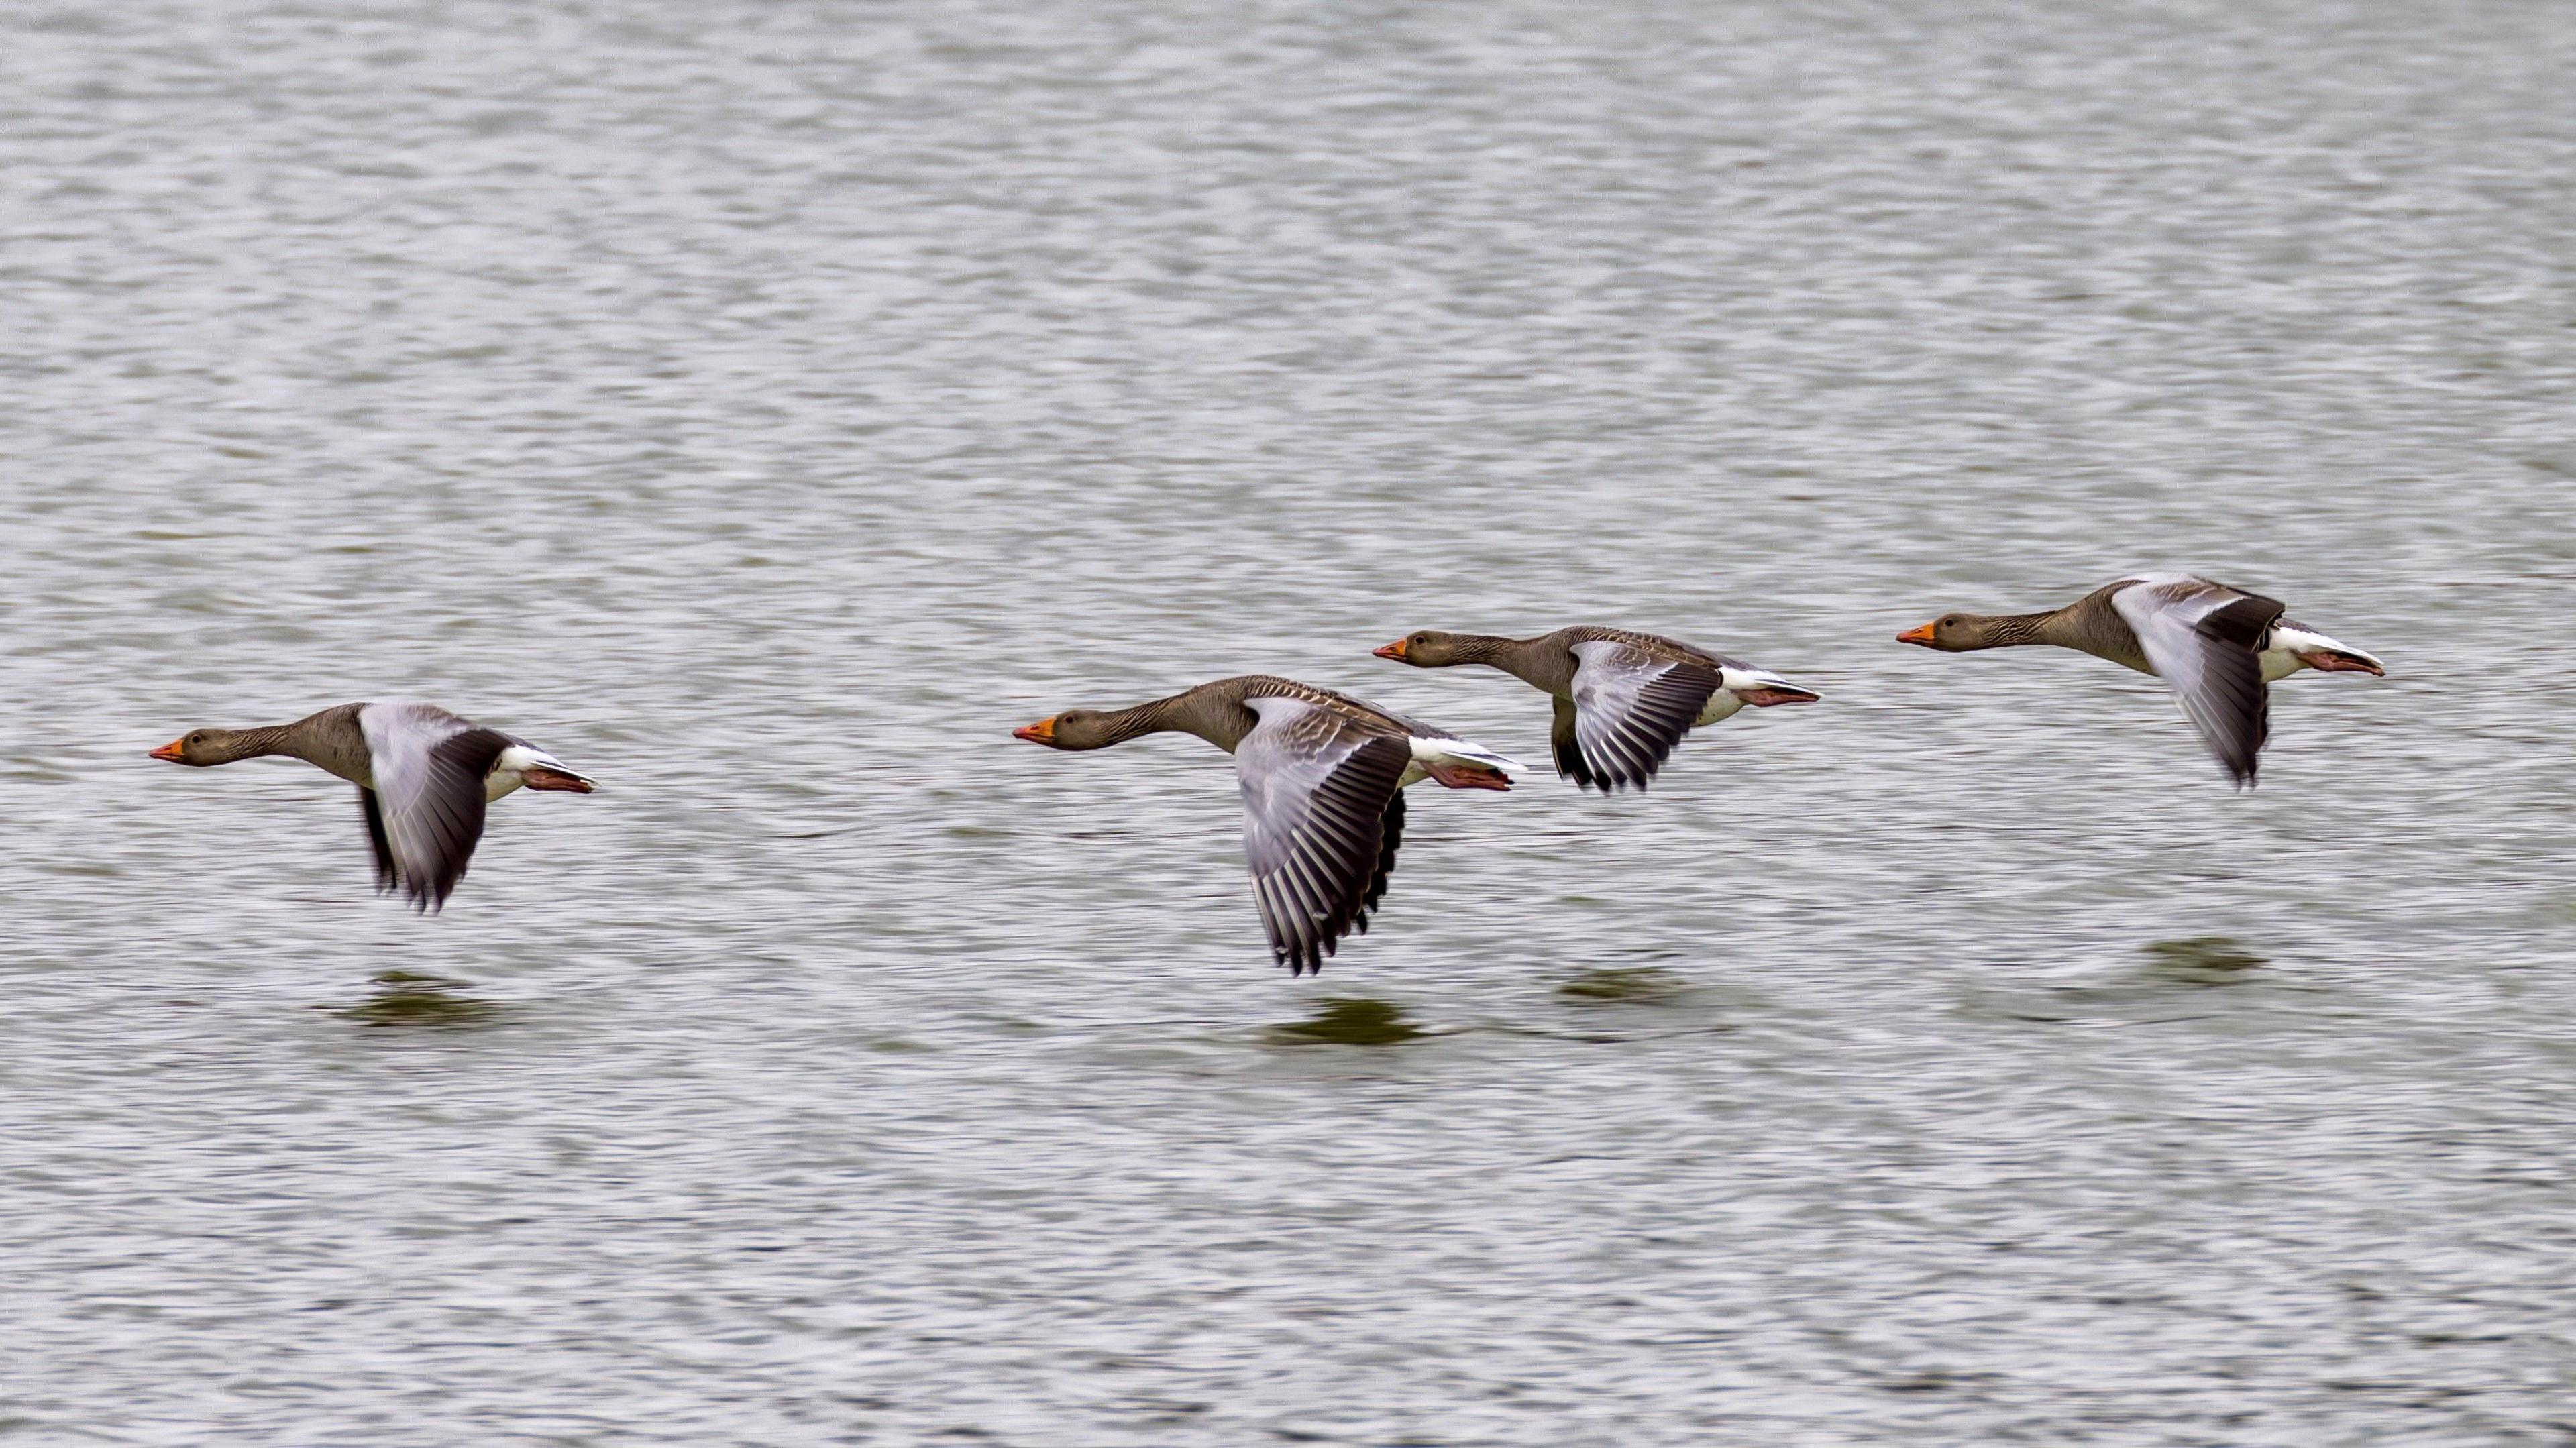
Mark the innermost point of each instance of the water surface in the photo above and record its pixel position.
(768, 406)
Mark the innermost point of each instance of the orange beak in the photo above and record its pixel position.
(170, 751)
(1042, 732)
(1391, 651)
(1921, 636)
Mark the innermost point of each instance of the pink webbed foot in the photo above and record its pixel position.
(1468, 776)
(1764, 698)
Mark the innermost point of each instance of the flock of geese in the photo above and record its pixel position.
(1322, 773)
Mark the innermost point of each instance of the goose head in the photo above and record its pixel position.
(1072, 729)
(1428, 649)
(202, 747)
(1957, 633)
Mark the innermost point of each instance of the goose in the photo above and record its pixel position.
(1623, 699)
(1323, 778)
(2220, 648)
(423, 777)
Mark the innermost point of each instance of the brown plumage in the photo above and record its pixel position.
(1322, 776)
(424, 776)
(1623, 699)
(2218, 647)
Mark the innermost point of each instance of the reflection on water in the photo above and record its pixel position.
(1348, 1021)
(2201, 960)
(1641, 985)
(415, 1001)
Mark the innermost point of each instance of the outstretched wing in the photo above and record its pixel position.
(1569, 755)
(1630, 709)
(428, 767)
(377, 845)
(2204, 639)
(1321, 816)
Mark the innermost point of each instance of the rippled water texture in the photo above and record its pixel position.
(768, 406)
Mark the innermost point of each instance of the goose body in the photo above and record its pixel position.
(2219, 648)
(424, 776)
(1623, 699)
(1322, 776)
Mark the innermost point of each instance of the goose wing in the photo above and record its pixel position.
(377, 845)
(425, 813)
(1630, 708)
(1569, 754)
(1321, 818)
(2204, 640)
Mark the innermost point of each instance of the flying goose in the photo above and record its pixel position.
(2220, 648)
(1322, 775)
(1623, 699)
(423, 777)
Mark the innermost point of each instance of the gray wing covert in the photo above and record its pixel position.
(1321, 817)
(1630, 709)
(427, 814)
(2204, 639)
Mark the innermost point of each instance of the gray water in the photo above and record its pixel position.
(768, 406)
